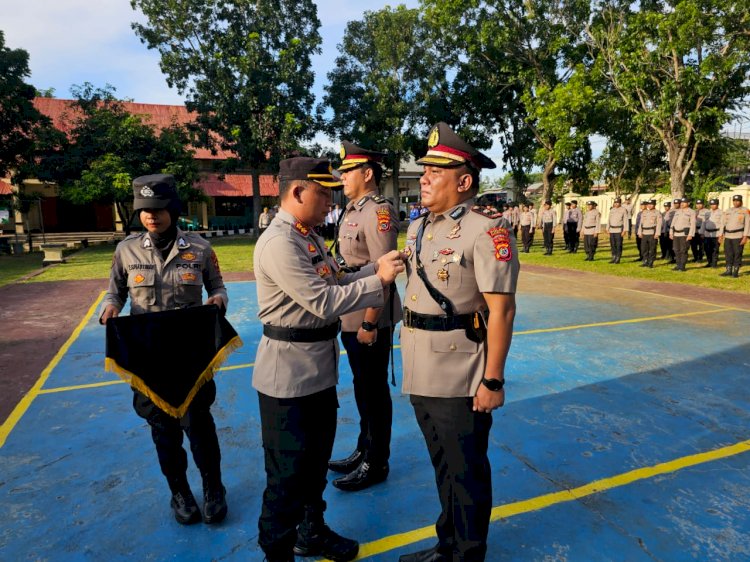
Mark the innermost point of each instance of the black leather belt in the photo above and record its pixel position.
(733, 231)
(648, 228)
(306, 335)
(439, 323)
(683, 230)
(711, 229)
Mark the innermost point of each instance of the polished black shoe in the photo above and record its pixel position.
(184, 507)
(427, 555)
(345, 466)
(364, 476)
(644, 264)
(727, 273)
(214, 505)
(736, 272)
(319, 540)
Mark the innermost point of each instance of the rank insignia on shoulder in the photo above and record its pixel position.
(188, 256)
(501, 241)
(362, 201)
(311, 248)
(301, 228)
(379, 199)
(181, 243)
(146, 242)
(457, 213)
(489, 212)
(384, 219)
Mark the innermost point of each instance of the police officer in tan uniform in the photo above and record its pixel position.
(574, 225)
(367, 230)
(649, 228)
(696, 244)
(161, 269)
(628, 206)
(734, 232)
(664, 242)
(535, 215)
(592, 220)
(618, 217)
(458, 320)
(526, 221)
(301, 294)
(681, 233)
(548, 222)
(710, 228)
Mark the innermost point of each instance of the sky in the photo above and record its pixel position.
(75, 41)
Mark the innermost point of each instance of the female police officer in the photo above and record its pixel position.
(158, 270)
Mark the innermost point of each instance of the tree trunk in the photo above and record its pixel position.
(548, 179)
(256, 199)
(676, 169)
(124, 216)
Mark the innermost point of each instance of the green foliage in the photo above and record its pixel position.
(20, 122)
(678, 69)
(245, 68)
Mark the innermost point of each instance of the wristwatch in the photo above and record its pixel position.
(494, 384)
(369, 326)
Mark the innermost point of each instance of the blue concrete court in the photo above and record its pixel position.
(626, 437)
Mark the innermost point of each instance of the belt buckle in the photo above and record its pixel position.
(407, 317)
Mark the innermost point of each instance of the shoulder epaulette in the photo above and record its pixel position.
(487, 211)
(378, 198)
(133, 236)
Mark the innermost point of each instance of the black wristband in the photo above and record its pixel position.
(369, 326)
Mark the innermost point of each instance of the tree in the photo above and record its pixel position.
(679, 68)
(107, 148)
(384, 82)
(526, 57)
(245, 68)
(20, 122)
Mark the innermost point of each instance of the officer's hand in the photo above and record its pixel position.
(671, 237)
(389, 266)
(689, 238)
(743, 241)
(721, 239)
(109, 312)
(367, 338)
(487, 400)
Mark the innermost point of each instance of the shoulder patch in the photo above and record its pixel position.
(501, 240)
(384, 219)
(487, 211)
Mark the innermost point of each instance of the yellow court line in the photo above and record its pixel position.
(29, 397)
(618, 322)
(540, 502)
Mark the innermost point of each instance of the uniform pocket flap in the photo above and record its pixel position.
(454, 341)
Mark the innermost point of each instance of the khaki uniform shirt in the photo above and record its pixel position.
(298, 287)
(535, 220)
(155, 284)
(736, 223)
(700, 216)
(683, 223)
(712, 223)
(526, 219)
(548, 216)
(650, 223)
(264, 220)
(464, 253)
(368, 230)
(575, 215)
(628, 209)
(618, 216)
(592, 222)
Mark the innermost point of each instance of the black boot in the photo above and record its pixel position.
(364, 476)
(727, 272)
(617, 258)
(183, 504)
(214, 503)
(315, 538)
(735, 272)
(427, 555)
(345, 466)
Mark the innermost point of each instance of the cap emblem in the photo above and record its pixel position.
(434, 138)
(146, 191)
(342, 152)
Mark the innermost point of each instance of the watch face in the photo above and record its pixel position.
(493, 384)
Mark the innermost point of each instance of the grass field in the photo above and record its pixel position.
(236, 254)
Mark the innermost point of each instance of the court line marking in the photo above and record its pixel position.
(29, 397)
(343, 352)
(537, 503)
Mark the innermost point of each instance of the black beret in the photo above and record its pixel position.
(652, 202)
(684, 200)
(591, 203)
(567, 203)
(699, 201)
(353, 156)
(713, 202)
(156, 191)
(676, 200)
(574, 202)
(308, 169)
(445, 149)
(737, 197)
(667, 204)
(618, 200)
(548, 202)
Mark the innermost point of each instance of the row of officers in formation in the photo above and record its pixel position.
(675, 230)
(462, 268)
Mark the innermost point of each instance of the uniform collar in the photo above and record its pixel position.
(181, 241)
(297, 226)
(456, 213)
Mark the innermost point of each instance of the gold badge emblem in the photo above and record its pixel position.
(434, 137)
(342, 152)
(443, 274)
(189, 277)
(139, 278)
(187, 256)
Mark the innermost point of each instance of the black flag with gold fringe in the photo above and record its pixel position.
(170, 355)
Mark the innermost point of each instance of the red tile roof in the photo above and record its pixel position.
(237, 185)
(161, 116)
(6, 190)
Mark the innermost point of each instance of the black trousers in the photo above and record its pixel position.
(166, 431)
(590, 243)
(638, 242)
(549, 236)
(615, 244)
(457, 440)
(526, 237)
(696, 245)
(573, 235)
(733, 252)
(711, 246)
(531, 237)
(680, 247)
(371, 391)
(298, 438)
(648, 248)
